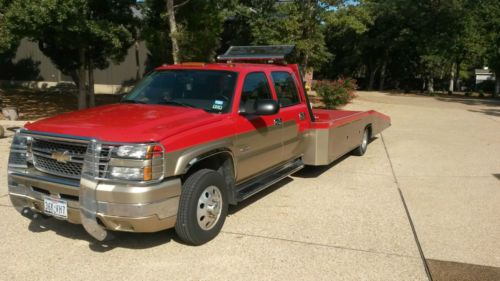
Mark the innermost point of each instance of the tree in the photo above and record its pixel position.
(183, 31)
(7, 39)
(402, 40)
(489, 15)
(77, 35)
(290, 22)
(173, 29)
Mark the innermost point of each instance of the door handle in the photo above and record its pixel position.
(278, 122)
(302, 116)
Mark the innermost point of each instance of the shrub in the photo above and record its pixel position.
(335, 93)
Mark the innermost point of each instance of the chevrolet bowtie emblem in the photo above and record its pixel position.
(61, 156)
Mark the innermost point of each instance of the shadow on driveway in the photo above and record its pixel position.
(132, 240)
(120, 240)
(469, 100)
(490, 112)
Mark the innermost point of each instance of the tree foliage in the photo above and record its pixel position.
(413, 44)
(77, 35)
(426, 45)
(199, 25)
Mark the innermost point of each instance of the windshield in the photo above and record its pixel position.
(209, 90)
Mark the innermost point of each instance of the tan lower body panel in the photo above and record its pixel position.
(326, 145)
(117, 211)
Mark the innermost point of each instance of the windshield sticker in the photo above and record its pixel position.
(218, 105)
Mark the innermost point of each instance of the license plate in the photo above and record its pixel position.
(55, 207)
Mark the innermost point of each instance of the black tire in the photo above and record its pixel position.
(361, 149)
(187, 226)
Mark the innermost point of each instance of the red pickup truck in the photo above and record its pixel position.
(186, 142)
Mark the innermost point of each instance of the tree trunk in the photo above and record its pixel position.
(430, 84)
(137, 62)
(371, 82)
(452, 80)
(382, 76)
(74, 75)
(173, 31)
(82, 95)
(305, 62)
(91, 93)
(496, 93)
(457, 75)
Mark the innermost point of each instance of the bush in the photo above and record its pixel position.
(335, 93)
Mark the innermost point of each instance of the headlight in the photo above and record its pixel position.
(131, 151)
(19, 156)
(137, 162)
(19, 141)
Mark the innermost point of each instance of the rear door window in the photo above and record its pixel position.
(285, 88)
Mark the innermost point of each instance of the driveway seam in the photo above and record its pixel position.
(422, 256)
(317, 244)
(444, 176)
(363, 174)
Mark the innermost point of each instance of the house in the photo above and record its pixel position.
(28, 66)
(483, 75)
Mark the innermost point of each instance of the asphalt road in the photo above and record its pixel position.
(347, 221)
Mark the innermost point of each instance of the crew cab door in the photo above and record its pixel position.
(293, 113)
(258, 142)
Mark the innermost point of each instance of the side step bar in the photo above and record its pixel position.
(262, 182)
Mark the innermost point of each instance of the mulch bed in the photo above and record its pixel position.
(34, 105)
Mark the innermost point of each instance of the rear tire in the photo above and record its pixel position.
(202, 207)
(361, 149)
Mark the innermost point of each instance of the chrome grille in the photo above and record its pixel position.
(43, 161)
(51, 166)
(50, 146)
(43, 150)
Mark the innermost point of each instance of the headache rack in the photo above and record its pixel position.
(259, 54)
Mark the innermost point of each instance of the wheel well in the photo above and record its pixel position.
(221, 162)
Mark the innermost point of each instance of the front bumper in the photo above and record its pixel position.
(101, 206)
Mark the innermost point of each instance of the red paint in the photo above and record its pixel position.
(334, 118)
(181, 127)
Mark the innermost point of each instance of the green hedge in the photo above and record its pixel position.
(335, 93)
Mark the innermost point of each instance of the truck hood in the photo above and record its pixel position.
(126, 122)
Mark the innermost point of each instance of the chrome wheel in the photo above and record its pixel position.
(364, 143)
(209, 207)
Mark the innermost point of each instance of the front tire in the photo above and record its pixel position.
(202, 207)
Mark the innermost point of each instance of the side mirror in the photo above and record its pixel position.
(266, 107)
(260, 107)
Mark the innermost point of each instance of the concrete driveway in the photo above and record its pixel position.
(426, 196)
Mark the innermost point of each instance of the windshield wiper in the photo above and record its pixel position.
(171, 102)
(133, 101)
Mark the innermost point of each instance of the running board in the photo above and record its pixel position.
(262, 182)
